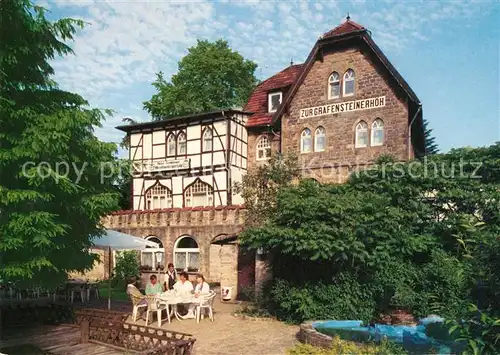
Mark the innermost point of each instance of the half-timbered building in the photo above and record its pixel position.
(340, 110)
(188, 161)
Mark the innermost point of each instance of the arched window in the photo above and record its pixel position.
(153, 258)
(334, 85)
(377, 132)
(263, 148)
(171, 145)
(187, 254)
(207, 140)
(199, 193)
(181, 144)
(319, 140)
(158, 196)
(306, 141)
(361, 135)
(348, 83)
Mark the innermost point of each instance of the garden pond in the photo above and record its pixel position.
(419, 339)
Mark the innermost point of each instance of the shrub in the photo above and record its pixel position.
(346, 347)
(127, 266)
(480, 332)
(344, 298)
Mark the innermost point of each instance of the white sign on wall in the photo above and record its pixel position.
(161, 165)
(342, 107)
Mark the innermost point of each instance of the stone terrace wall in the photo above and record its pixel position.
(202, 224)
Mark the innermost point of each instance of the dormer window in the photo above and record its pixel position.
(274, 101)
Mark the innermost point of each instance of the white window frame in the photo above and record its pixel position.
(187, 251)
(270, 102)
(306, 134)
(196, 188)
(160, 192)
(154, 252)
(361, 127)
(332, 80)
(377, 125)
(264, 145)
(205, 139)
(181, 143)
(171, 149)
(348, 77)
(320, 132)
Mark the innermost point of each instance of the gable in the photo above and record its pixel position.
(342, 40)
(258, 101)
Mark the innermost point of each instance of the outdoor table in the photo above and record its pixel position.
(173, 298)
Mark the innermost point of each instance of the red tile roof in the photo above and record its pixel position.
(258, 100)
(346, 27)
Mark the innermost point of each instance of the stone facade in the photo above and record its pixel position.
(218, 263)
(253, 137)
(99, 270)
(348, 46)
(341, 157)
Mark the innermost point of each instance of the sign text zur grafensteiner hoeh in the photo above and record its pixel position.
(343, 107)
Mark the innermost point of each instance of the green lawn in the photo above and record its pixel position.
(117, 293)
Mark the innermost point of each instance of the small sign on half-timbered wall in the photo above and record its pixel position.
(189, 161)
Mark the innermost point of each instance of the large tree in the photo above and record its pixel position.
(56, 177)
(210, 77)
(431, 147)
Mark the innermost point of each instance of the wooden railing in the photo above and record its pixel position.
(110, 329)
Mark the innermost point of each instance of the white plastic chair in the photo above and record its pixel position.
(155, 305)
(206, 302)
(78, 289)
(92, 287)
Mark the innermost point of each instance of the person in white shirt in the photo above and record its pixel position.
(185, 286)
(202, 288)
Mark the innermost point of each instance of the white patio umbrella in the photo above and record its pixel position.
(113, 240)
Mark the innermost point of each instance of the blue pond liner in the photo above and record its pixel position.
(338, 324)
(412, 338)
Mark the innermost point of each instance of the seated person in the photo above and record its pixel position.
(183, 285)
(202, 288)
(133, 291)
(153, 287)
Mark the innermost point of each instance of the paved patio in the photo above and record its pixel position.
(229, 334)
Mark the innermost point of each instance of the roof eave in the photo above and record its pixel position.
(160, 123)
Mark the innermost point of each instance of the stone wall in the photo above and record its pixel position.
(253, 136)
(308, 335)
(202, 224)
(341, 157)
(100, 269)
(224, 265)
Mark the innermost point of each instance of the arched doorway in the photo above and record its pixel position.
(187, 254)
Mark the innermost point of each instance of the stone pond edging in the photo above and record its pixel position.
(309, 335)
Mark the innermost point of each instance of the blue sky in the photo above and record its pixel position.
(447, 51)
